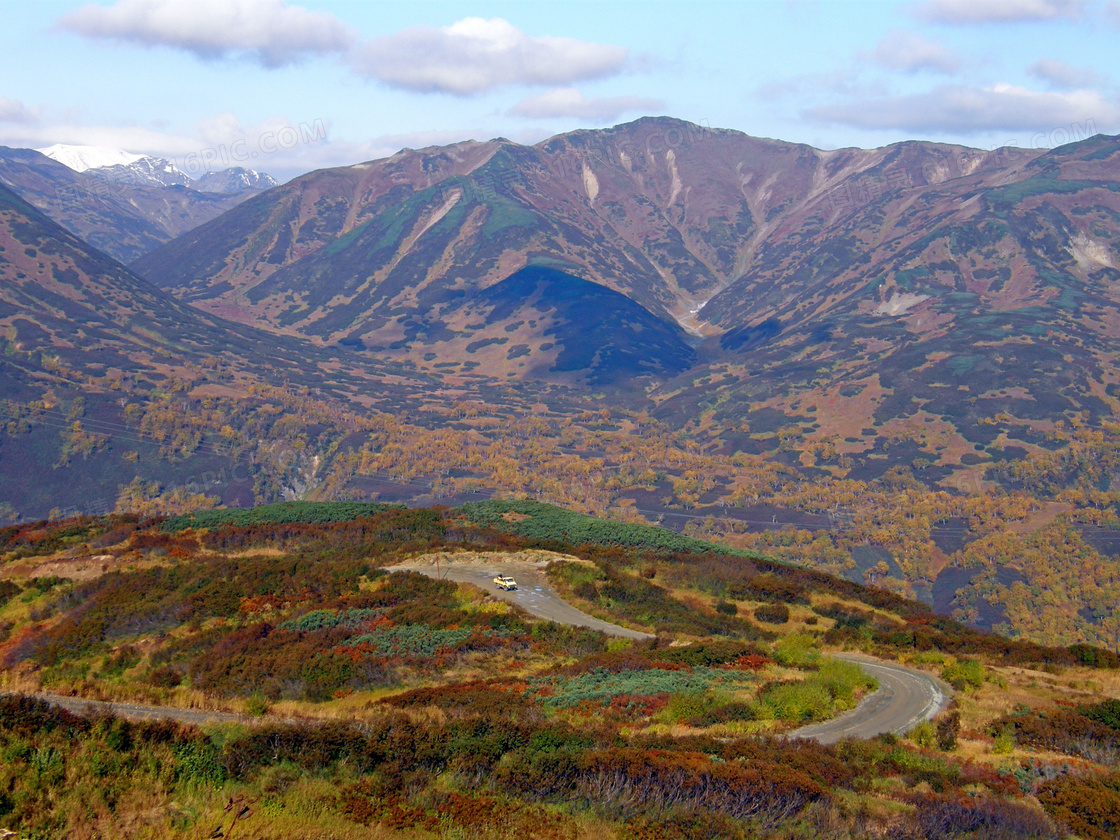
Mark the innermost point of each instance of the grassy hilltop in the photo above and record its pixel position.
(396, 705)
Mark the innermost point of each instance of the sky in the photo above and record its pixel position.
(288, 87)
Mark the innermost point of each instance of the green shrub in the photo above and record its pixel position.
(798, 702)
(601, 685)
(964, 675)
(842, 679)
(686, 707)
(949, 730)
(736, 710)
(706, 653)
(772, 613)
(329, 619)
(1004, 743)
(8, 590)
(1106, 712)
(924, 735)
(281, 513)
(798, 650)
(546, 523)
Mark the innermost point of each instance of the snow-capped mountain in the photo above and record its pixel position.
(109, 205)
(144, 172)
(234, 180)
(118, 166)
(121, 167)
(81, 158)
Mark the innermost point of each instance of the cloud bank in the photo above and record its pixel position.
(269, 31)
(999, 11)
(475, 55)
(968, 110)
(910, 53)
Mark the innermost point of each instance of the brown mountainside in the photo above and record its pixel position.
(122, 220)
(887, 302)
(663, 211)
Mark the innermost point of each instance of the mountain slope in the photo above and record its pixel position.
(124, 219)
(84, 158)
(236, 179)
(893, 302)
(79, 302)
(91, 356)
(962, 318)
(665, 212)
(557, 327)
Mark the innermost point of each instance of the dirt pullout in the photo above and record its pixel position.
(86, 567)
(141, 711)
(534, 593)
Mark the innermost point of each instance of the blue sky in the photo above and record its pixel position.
(286, 87)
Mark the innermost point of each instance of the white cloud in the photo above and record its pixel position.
(911, 52)
(278, 146)
(1063, 75)
(475, 55)
(14, 111)
(134, 139)
(570, 102)
(999, 11)
(282, 147)
(271, 31)
(966, 110)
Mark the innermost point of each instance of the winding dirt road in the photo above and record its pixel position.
(534, 594)
(905, 697)
(139, 711)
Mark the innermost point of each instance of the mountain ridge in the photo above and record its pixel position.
(123, 218)
(618, 186)
(846, 290)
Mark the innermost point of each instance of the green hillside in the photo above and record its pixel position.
(405, 705)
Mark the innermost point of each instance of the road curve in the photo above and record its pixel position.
(534, 593)
(905, 698)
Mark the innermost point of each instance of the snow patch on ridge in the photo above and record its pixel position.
(675, 184)
(82, 158)
(899, 304)
(590, 183)
(1089, 253)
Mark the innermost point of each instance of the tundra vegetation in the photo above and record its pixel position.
(398, 705)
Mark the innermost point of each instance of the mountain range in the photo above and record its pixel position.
(863, 298)
(121, 167)
(645, 320)
(122, 204)
(916, 303)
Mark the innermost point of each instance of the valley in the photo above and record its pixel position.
(560, 421)
(969, 464)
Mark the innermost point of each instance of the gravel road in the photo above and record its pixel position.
(533, 594)
(905, 698)
(137, 711)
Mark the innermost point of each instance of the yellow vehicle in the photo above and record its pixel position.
(505, 582)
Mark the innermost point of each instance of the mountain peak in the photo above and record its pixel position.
(234, 180)
(118, 166)
(83, 158)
